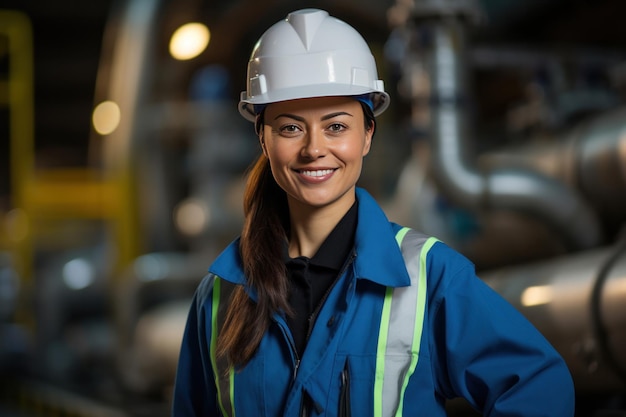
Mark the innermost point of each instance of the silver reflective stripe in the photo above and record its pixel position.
(401, 327)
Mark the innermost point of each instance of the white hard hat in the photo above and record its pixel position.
(311, 54)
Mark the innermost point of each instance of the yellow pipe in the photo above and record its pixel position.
(16, 27)
(72, 193)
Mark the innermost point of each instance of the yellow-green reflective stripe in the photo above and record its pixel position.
(225, 388)
(380, 358)
(400, 235)
(231, 380)
(215, 305)
(398, 349)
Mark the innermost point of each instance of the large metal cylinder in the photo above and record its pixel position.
(591, 158)
(577, 302)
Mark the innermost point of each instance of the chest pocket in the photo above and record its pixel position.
(401, 327)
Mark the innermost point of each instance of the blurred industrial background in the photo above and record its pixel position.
(122, 157)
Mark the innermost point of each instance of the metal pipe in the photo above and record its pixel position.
(435, 30)
(576, 302)
(600, 152)
(591, 158)
(524, 191)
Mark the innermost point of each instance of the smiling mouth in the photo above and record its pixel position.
(317, 173)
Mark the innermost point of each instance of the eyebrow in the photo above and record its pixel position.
(325, 117)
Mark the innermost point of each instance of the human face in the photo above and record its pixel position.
(315, 148)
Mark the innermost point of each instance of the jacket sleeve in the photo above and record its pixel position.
(487, 352)
(195, 394)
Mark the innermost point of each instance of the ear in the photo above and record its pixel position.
(369, 134)
(262, 142)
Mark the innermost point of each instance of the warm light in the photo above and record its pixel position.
(533, 296)
(191, 217)
(106, 117)
(189, 41)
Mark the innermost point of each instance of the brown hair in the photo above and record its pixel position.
(261, 244)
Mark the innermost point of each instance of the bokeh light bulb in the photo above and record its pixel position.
(189, 41)
(106, 117)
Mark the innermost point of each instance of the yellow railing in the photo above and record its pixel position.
(40, 197)
(16, 36)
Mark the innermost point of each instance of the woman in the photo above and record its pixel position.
(323, 307)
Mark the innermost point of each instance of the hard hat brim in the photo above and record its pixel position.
(380, 99)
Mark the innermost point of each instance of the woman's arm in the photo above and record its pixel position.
(195, 394)
(491, 354)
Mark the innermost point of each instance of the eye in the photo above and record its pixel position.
(336, 127)
(289, 130)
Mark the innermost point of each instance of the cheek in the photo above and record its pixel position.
(353, 151)
(273, 153)
(279, 156)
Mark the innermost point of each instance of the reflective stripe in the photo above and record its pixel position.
(225, 382)
(401, 326)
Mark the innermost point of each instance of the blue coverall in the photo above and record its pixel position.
(473, 344)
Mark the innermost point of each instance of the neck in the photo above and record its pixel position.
(311, 226)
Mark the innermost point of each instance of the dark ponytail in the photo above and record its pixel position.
(262, 240)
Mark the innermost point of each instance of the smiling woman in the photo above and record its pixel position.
(323, 307)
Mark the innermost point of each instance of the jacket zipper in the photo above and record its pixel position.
(296, 358)
(292, 345)
(296, 366)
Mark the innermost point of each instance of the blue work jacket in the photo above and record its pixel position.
(471, 344)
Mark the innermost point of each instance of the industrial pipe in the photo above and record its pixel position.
(577, 303)
(528, 192)
(590, 157)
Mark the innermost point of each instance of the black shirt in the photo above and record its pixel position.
(311, 278)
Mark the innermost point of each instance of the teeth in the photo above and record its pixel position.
(319, 173)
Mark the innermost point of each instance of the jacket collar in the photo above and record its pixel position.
(378, 259)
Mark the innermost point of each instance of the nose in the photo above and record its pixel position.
(314, 145)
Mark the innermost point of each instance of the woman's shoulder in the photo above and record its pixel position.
(228, 264)
(438, 250)
(441, 260)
